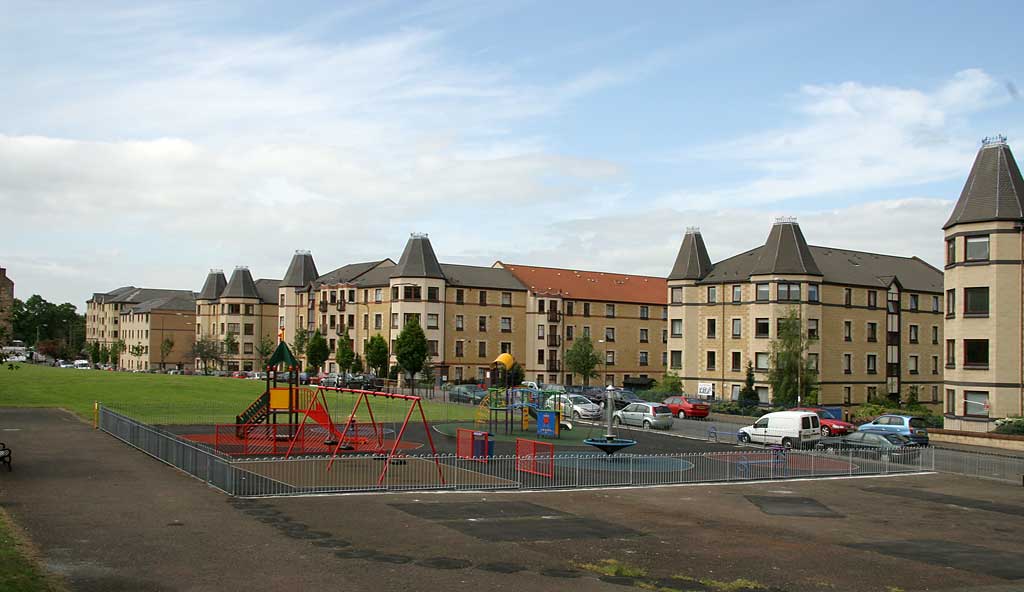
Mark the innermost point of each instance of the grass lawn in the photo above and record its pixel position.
(159, 398)
(17, 570)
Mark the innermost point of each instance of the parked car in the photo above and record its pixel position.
(912, 427)
(467, 393)
(330, 380)
(620, 397)
(530, 384)
(877, 445)
(683, 407)
(644, 414)
(574, 406)
(525, 395)
(830, 426)
(303, 378)
(792, 429)
(240, 374)
(553, 388)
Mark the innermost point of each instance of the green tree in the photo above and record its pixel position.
(166, 347)
(748, 394)
(116, 349)
(582, 359)
(317, 351)
(343, 354)
(36, 317)
(207, 350)
(94, 352)
(230, 344)
(357, 364)
(790, 372)
(265, 348)
(104, 354)
(377, 355)
(671, 384)
(136, 351)
(300, 343)
(411, 350)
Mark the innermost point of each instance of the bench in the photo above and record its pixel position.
(5, 456)
(778, 458)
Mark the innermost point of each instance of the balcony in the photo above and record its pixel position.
(554, 366)
(323, 307)
(554, 340)
(553, 316)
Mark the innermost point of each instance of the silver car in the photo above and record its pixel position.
(574, 406)
(645, 415)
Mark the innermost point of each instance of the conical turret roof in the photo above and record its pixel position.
(301, 271)
(418, 260)
(241, 285)
(994, 188)
(214, 285)
(785, 252)
(692, 262)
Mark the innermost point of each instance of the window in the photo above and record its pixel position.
(586, 309)
(411, 292)
(912, 364)
(711, 360)
(913, 334)
(847, 363)
(280, 303)
(976, 403)
(737, 361)
(378, 295)
(761, 328)
(914, 302)
(812, 362)
(459, 348)
(950, 401)
(872, 365)
(976, 248)
(935, 364)
(847, 331)
(762, 293)
(366, 321)
(737, 327)
(936, 306)
(975, 353)
(677, 359)
(460, 296)
(935, 394)
(976, 302)
(812, 328)
(248, 329)
(247, 347)
(812, 293)
(935, 334)
(677, 295)
(483, 298)
(711, 328)
(482, 323)
(569, 331)
(410, 317)
(431, 321)
(506, 298)
(609, 357)
(677, 327)
(872, 393)
(737, 294)
(586, 331)
(609, 333)
(506, 347)
(432, 295)
(482, 349)
(846, 395)
(377, 320)
(460, 323)
(645, 312)
(506, 324)
(761, 361)
(432, 347)
(643, 358)
(540, 331)
(950, 251)
(643, 335)
(712, 294)
(569, 308)
(664, 313)
(609, 311)
(540, 305)
(664, 335)
(540, 356)
(950, 304)
(789, 291)
(872, 331)
(950, 353)
(847, 296)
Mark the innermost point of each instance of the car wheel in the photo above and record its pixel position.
(616, 421)
(575, 415)
(647, 425)
(744, 437)
(825, 432)
(787, 443)
(682, 414)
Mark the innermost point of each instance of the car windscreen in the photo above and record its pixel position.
(897, 439)
(661, 409)
(918, 423)
(579, 400)
(697, 401)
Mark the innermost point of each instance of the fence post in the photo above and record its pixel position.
(631, 457)
(849, 460)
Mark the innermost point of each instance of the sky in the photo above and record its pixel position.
(145, 143)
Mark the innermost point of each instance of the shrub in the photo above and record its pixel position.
(1010, 425)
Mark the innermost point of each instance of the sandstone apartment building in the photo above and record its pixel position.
(6, 306)
(874, 322)
(244, 308)
(143, 317)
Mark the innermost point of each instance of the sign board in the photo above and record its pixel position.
(547, 424)
(706, 390)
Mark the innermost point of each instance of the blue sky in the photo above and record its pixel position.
(144, 145)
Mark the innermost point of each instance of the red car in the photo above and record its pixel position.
(830, 426)
(682, 407)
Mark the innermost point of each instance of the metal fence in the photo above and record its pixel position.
(979, 464)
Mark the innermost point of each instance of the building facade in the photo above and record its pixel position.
(106, 311)
(240, 315)
(158, 333)
(984, 294)
(6, 307)
(873, 322)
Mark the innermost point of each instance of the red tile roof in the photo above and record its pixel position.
(590, 285)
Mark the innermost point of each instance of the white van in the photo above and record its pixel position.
(792, 429)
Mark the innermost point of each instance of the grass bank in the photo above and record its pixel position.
(18, 570)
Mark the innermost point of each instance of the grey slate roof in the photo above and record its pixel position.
(785, 252)
(473, 276)
(842, 266)
(692, 262)
(301, 271)
(214, 285)
(133, 295)
(241, 285)
(348, 273)
(994, 189)
(175, 302)
(418, 260)
(267, 289)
